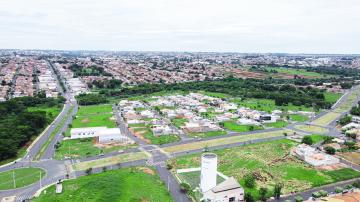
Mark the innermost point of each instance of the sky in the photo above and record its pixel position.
(256, 26)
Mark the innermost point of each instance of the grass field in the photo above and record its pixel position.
(208, 134)
(128, 185)
(268, 105)
(178, 122)
(51, 112)
(121, 158)
(94, 110)
(350, 156)
(326, 119)
(270, 162)
(233, 126)
(298, 117)
(105, 120)
(317, 138)
(214, 94)
(23, 177)
(145, 131)
(80, 148)
(224, 141)
(332, 97)
(311, 129)
(299, 72)
(277, 124)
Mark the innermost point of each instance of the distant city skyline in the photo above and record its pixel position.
(257, 26)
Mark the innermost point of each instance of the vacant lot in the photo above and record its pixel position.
(23, 177)
(326, 119)
(317, 138)
(207, 134)
(299, 72)
(122, 158)
(130, 184)
(225, 141)
(106, 120)
(94, 110)
(332, 97)
(80, 148)
(277, 124)
(233, 126)
(350, 156)
(311, 129)
(298, 118)
(51, 112)
(267, 105)
(270, 163)
(144, 132)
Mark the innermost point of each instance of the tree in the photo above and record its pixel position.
(249, 181)
(185, 187)
(249, 197)
(88, 171)
(307, 140)
(330, 150)
(262, 192)
(277, 190)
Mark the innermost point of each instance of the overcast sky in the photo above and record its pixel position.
(295, 26)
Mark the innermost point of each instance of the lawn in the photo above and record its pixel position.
(51, 112)
(106, 120)
(233, 126)
(298, 117)
(80, 148)
(208, 134)
(271, 163)
(178, 122)
(225, 141)
(23, 177)
(128, 184)
(299, 72)
(311, 129)
(332, 97)
(326, 119)
(145, 132)
(113, 160)
(94, 110)
(277, 124)
(317, 138)
(267, 105)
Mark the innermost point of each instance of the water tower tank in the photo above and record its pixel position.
(208, 171)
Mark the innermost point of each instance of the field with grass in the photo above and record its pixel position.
(207, 134)
(326, 119)
(317, 138)
(144, 132)
(178, 122)
(267, 105)
(225, 141)
(81, 148)
(94, 110)
(277, 124)
(299, 72)
(128, 185)
(233, 126)
(23, 177)
(311, 129)
(214, 94)
(113, 160)
(106, 120)
(332, 97)
(51, 112)
(298, 117)
(270, 163)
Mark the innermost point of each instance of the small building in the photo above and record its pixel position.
(77, 133)
(227, 191)
(111, 135)
(313, 157)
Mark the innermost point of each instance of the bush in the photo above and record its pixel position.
(299, 199)
(323, 193)
(185, 187)
(277, 190)
(307, 140)
(316, 195)
(262, 192)
(88, 171)
(330, 150)
(249, 181)
(339, 190)
(349, 186)
(356, 184)
(249, 198)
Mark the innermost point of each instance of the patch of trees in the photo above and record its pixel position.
(18, 126)
(88, 71)
(345, 120)
(91, 99)
(355, 111)
(107, 84)
(277, 90)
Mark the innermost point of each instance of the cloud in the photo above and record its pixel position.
(326, 26)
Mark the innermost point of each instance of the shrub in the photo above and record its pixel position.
(349, 186)
(88, 171)
(307, 140)
(277, 190)
(316, 195)
(185, 187)
(262, 192)
(339, 190)
(249, 181)
(356, 184)
(323, 193)
(249, 198)
(330, 150)
(299, 199)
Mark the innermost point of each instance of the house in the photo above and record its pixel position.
(111, 135)
(159, 130)
(77, 133)
(268, 118)
(355, 119)
(245, 121)
(227, 191)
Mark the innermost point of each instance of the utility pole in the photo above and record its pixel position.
(14, 179)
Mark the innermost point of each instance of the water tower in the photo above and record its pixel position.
(208, 171)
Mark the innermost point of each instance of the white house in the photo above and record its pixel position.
(227, 191)
(111, 135)
(77, 133)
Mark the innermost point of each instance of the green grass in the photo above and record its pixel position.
(326, 119)
(208, 134)
(312, 129)
(298, 117)
(146, 132)
(267, 105)
(128, 185)
(214, 94)
(299, 72)
(271, 162)
(94, 110)
(317, 138)
(332, 97)
(277, 124)
(178, 122)
(94, 121)
(23, 177)
(80, 148)
(54, 132)
(233, 126)
(51, 112)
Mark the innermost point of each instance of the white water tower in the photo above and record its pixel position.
(208, 171)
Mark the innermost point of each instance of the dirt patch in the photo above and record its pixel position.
(139, 134)
(147, 171)
(85, 120)
(331, 167)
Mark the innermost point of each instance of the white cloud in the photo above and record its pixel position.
(321, 26)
